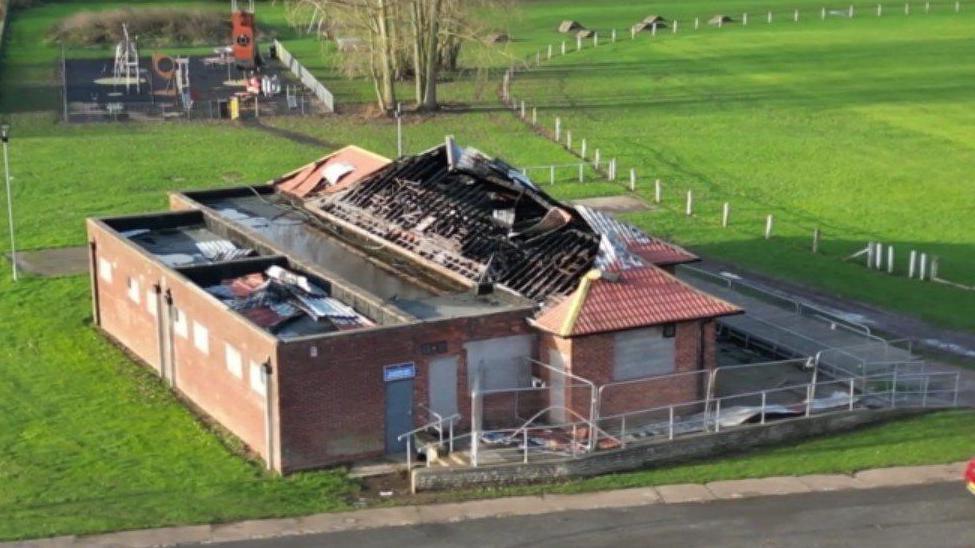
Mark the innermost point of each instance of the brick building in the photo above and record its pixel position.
(320, 316)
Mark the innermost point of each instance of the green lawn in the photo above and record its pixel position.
(862, 128)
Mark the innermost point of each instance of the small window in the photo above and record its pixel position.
(180, 323)
(135, 294)
(151, 304)
(104, 269)
(234, 362)
(201, 337)
(670, 330)
(258, 384)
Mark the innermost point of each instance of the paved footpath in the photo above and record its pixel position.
(513, 506)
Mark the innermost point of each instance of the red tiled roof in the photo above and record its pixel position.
(628, 299)
(309, 178)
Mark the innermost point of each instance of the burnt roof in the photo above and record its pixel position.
(475, 216)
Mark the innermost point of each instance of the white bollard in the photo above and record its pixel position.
(582, 173)
(534, 116)
(551, 175)
(568, 139)
(675, 26)
(563, 47)
(523, 110)
(633, 32)
(558, 128)
(957, 7)
(923, 267)
(582, 149)
(927, 7)
(697, 22)
(595, 39)
(632, 180)
(538, 58)
(612, 170)
(890, 259)
(907, 9)
(613, 36)
(595, 160)
(720, 22)
(795, 16)
(578, 43)
(770, 17)
(880, 256)
(657, 191)
(822, 14)
(689, 210)
(768, 227)
(880, 10)
(744, 19)
(725, 214)
(653, 31)
(870, 252)
(550, 51)
(851, 11)
(912, 264)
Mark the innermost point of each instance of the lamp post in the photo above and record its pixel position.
(5, 138)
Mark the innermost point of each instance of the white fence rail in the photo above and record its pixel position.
(306, 77)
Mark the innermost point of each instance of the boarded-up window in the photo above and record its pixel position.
(104, 270)
(235, 364)
(151, 304)
(642, 353)
(201, 337)
(134, 292)
(258, 383)
(180, 323)
(502, 362)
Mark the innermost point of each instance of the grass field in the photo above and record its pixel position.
(862, 128)
(90, 442)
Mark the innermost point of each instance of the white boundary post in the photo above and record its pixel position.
(912, 264)
(632, 179)
(657, 191)
(689, 209)
(795, 16)
(725, 214)
(770, 17)
(768, 227)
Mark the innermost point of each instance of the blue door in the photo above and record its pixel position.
(399, 413)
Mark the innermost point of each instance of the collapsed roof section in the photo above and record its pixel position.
(623, 245)
(332, 173)
(474, 216)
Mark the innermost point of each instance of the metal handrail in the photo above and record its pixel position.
(433, 424)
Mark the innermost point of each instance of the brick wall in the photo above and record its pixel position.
(332, 404)
(202, 378)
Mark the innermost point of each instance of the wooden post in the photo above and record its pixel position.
(720, 22)
(558, 128)
(689, 210)
(522, 109)
(657, 191)
(770, 17)
(595, 39)
(632, 179)
(613, 36)
(927, 7)
(550, 51)
(612, 169)
(568, 139)
(633, 32)
(582, 150)
(257, 108)
(744, 19)
(957, 7)
(822, 14)
(912, 264)
(768, 227)
(923, 268)
(596, 159)
(697, 22)
(653, 31)
(582, 173)
(725, 214)
(870, 251)
(538, 58)
(934, 268)
(675, 26)
(815, 244)
(563, 47)
(851, 11)
(551, 175)
(907, 8)
(890, 259)
(578, 43)
(880, 256)
(534, 116)
(880, 10)
(795, 16)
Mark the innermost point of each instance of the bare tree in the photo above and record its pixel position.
(390, 40)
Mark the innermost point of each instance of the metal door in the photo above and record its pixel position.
(443, 386)
(556, 390)
(399, 413)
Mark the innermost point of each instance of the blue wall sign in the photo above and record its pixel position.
(399, 371)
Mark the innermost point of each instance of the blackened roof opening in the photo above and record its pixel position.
(479, 218)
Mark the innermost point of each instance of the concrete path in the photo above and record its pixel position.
(56, 261)
(515, 506)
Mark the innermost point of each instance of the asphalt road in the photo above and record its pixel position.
(924, 516)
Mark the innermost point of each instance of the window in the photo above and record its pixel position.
(180, 323)
(642, 353)
(201, 337)
(151, 303)
(258, 384)
(134, 291)
(234, 362)
(104, 269)
(670, 330)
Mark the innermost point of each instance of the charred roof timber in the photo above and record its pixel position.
(474, 215)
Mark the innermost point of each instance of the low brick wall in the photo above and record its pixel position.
(648, 455)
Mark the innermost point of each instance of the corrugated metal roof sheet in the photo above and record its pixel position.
(626, 246)
(628, 299)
